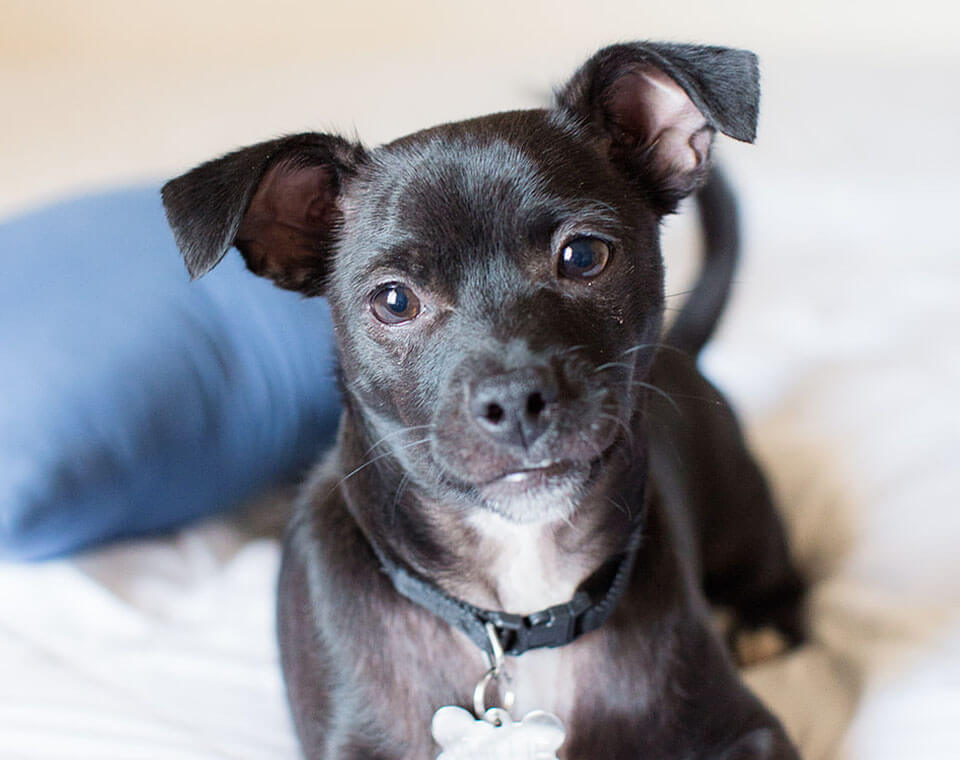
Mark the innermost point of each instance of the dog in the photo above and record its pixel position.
(534, 490)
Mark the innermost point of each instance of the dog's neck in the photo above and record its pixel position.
(525, 566)
(482, 558)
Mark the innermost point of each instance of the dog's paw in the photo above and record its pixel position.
(754, 646)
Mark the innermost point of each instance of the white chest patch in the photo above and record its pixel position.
(530, 574)
(542, 679)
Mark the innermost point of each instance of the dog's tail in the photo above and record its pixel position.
(721, 248)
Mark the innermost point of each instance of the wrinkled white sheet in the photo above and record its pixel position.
(151, 649)
(841, 350)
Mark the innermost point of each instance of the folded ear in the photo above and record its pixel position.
(656, 107)
(277, 202)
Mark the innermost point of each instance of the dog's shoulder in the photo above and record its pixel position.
(323, 535)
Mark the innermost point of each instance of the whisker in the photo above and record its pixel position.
(622, 424)
(571, 349)
(399, 494)
(398, 432)
(675, 395)
(591, 443)
(704, 399)
(366, 464)
(642, 346)
(658, 391)
(610, 365)
(602, 207)
(622, 508)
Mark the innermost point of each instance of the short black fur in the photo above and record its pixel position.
(504, 439)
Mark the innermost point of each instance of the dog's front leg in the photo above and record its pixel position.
(768, 743)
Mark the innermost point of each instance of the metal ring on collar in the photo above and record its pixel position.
(480, 696)
(496, 658)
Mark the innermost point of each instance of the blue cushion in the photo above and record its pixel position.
(132, 400)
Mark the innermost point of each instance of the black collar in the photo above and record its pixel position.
(553, 627)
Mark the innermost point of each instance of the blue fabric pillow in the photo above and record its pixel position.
(132, 400)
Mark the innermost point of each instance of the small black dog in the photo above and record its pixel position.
(522, 462)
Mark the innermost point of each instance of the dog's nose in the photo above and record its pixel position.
(514, 407)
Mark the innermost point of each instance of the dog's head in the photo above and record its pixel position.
(496, 284)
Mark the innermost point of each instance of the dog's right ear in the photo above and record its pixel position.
(277, 202)
(655, 107)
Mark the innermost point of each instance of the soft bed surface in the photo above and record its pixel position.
(153, 649)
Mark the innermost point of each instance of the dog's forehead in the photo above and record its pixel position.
(481, 183)
(514, 151)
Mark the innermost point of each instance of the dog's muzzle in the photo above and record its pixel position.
(515, 408)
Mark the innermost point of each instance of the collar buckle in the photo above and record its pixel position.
(552, 627)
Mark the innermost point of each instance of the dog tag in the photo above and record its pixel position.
(497, 737)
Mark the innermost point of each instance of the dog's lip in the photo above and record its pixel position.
(543, 470)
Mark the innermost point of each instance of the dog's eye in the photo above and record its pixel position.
(395, 303)
(583, 258)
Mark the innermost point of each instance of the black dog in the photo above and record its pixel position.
(522, 463)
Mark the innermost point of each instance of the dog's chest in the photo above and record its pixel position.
(530, 573)
(543, 679)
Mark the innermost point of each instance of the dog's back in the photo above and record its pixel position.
(704, 468)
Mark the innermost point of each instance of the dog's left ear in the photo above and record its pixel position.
(656, 107)
(277, 202)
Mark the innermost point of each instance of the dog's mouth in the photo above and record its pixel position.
(550, 489)
(531, 477)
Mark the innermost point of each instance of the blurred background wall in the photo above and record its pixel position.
(97, 92)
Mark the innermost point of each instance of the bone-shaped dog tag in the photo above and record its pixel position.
(497, 737)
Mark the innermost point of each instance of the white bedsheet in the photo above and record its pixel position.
(151, 649)
(841, 350)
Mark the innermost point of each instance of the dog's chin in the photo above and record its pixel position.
(538, 494)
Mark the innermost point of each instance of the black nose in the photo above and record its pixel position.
(513, 408)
